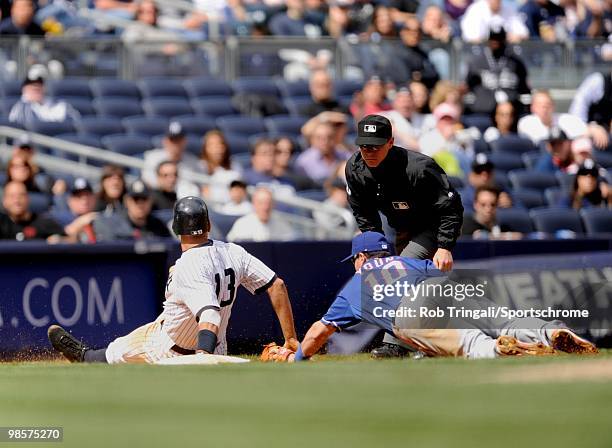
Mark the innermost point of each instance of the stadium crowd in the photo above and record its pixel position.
(503, 144)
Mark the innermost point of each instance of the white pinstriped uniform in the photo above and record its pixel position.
(201, 287)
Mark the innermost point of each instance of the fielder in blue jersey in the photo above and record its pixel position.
(375, 294)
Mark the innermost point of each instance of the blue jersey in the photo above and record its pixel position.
(364, 297)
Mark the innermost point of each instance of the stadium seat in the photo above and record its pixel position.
(597, 220)
(8, 103)
(565, 180)
(83, 139)
(206, 87)
(553, 195)
(69, 87)
(223, 222)
(51, 127)
(346, 87)
(164, 216)
(146, 126)
(83, 105)
(532, 179)
(193, 124)
(151, 88)
(11, 88)
(501, 179)
(603, 158)
(100, 126)
(39, 202)
(515, 218)
(241, 125)
(551, 220)
(262, 86)
(480, 145)
(295, 105)
(166, 107)
(294, 88)
(127, 144)
(118, 107)
(512, 144)
(314, 194)
(213, 106)
(505, 161)
(530, 159)
(479, 121)
(117, 88)
(528, 198)
(237, 143)
(285, 125)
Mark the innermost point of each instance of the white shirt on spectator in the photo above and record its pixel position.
(404, 127)
(590, 91)
(479, 18)
(26, 112)
(233, 209)
(250, 228)
(154, 157)
(532, 127)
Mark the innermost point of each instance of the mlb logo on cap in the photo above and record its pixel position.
(369, 128)
(373, 130)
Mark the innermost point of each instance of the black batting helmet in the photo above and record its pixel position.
(190, 216)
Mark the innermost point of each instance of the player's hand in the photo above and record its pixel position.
(291, 344)
(599, 135)
(443, 260)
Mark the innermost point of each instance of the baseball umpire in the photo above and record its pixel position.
(411, 191)
(200, 292)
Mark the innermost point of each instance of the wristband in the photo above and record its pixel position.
(207, 341)
(299, 355)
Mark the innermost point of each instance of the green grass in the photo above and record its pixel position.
(352, 402)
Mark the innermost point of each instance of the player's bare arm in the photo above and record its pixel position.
(279, 298)
(315, 338)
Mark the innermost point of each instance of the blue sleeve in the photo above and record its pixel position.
(340, 314)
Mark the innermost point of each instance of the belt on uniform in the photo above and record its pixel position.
(178, 349)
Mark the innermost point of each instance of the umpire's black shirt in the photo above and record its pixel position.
(411, 190)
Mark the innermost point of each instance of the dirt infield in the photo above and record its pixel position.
(587, 370)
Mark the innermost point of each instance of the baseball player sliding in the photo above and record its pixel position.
(200, 293)
(370, 252)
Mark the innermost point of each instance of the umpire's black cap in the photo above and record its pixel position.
(374, 130)
(190, 216)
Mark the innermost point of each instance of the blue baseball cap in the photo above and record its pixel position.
(369, 242)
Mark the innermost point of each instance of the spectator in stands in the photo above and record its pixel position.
(538, 125)
(593, 104)
(558, 156)
(483, 173)
(582, 150)
(444, 92)
(136, 222)
(20, 168)
(596, 20)
(495, 75)
(33, 106)
(456, 8)
(8, 229)
(165, 196)
(541, 18)
(336, 119)
(445, 144)
(587, 192)
(320, 160)
(125, 9)
(407, 123)
(321, 89)
(481, 15)
(435, 25)
(333, 224)
(483, 223)
(420, 95)
(382, 25)
(173, 149)
(403, 9)
(78, 222)
(262, 164)
(28, 225)
(505, 121)
(284, 166)
(216, 162)
(263, 224)
(21, 20)
(112, 190)
(295, 21)
(412, 62)
(238, 204)
(339, 22)
(371, 99)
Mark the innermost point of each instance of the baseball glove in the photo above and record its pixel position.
(275, 353)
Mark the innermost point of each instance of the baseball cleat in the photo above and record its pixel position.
(569, 342)
(509, 346)
(69, 346)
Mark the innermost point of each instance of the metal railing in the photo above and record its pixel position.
(307, 225)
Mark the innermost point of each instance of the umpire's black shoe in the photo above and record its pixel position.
(387, 350)
(62, 341)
